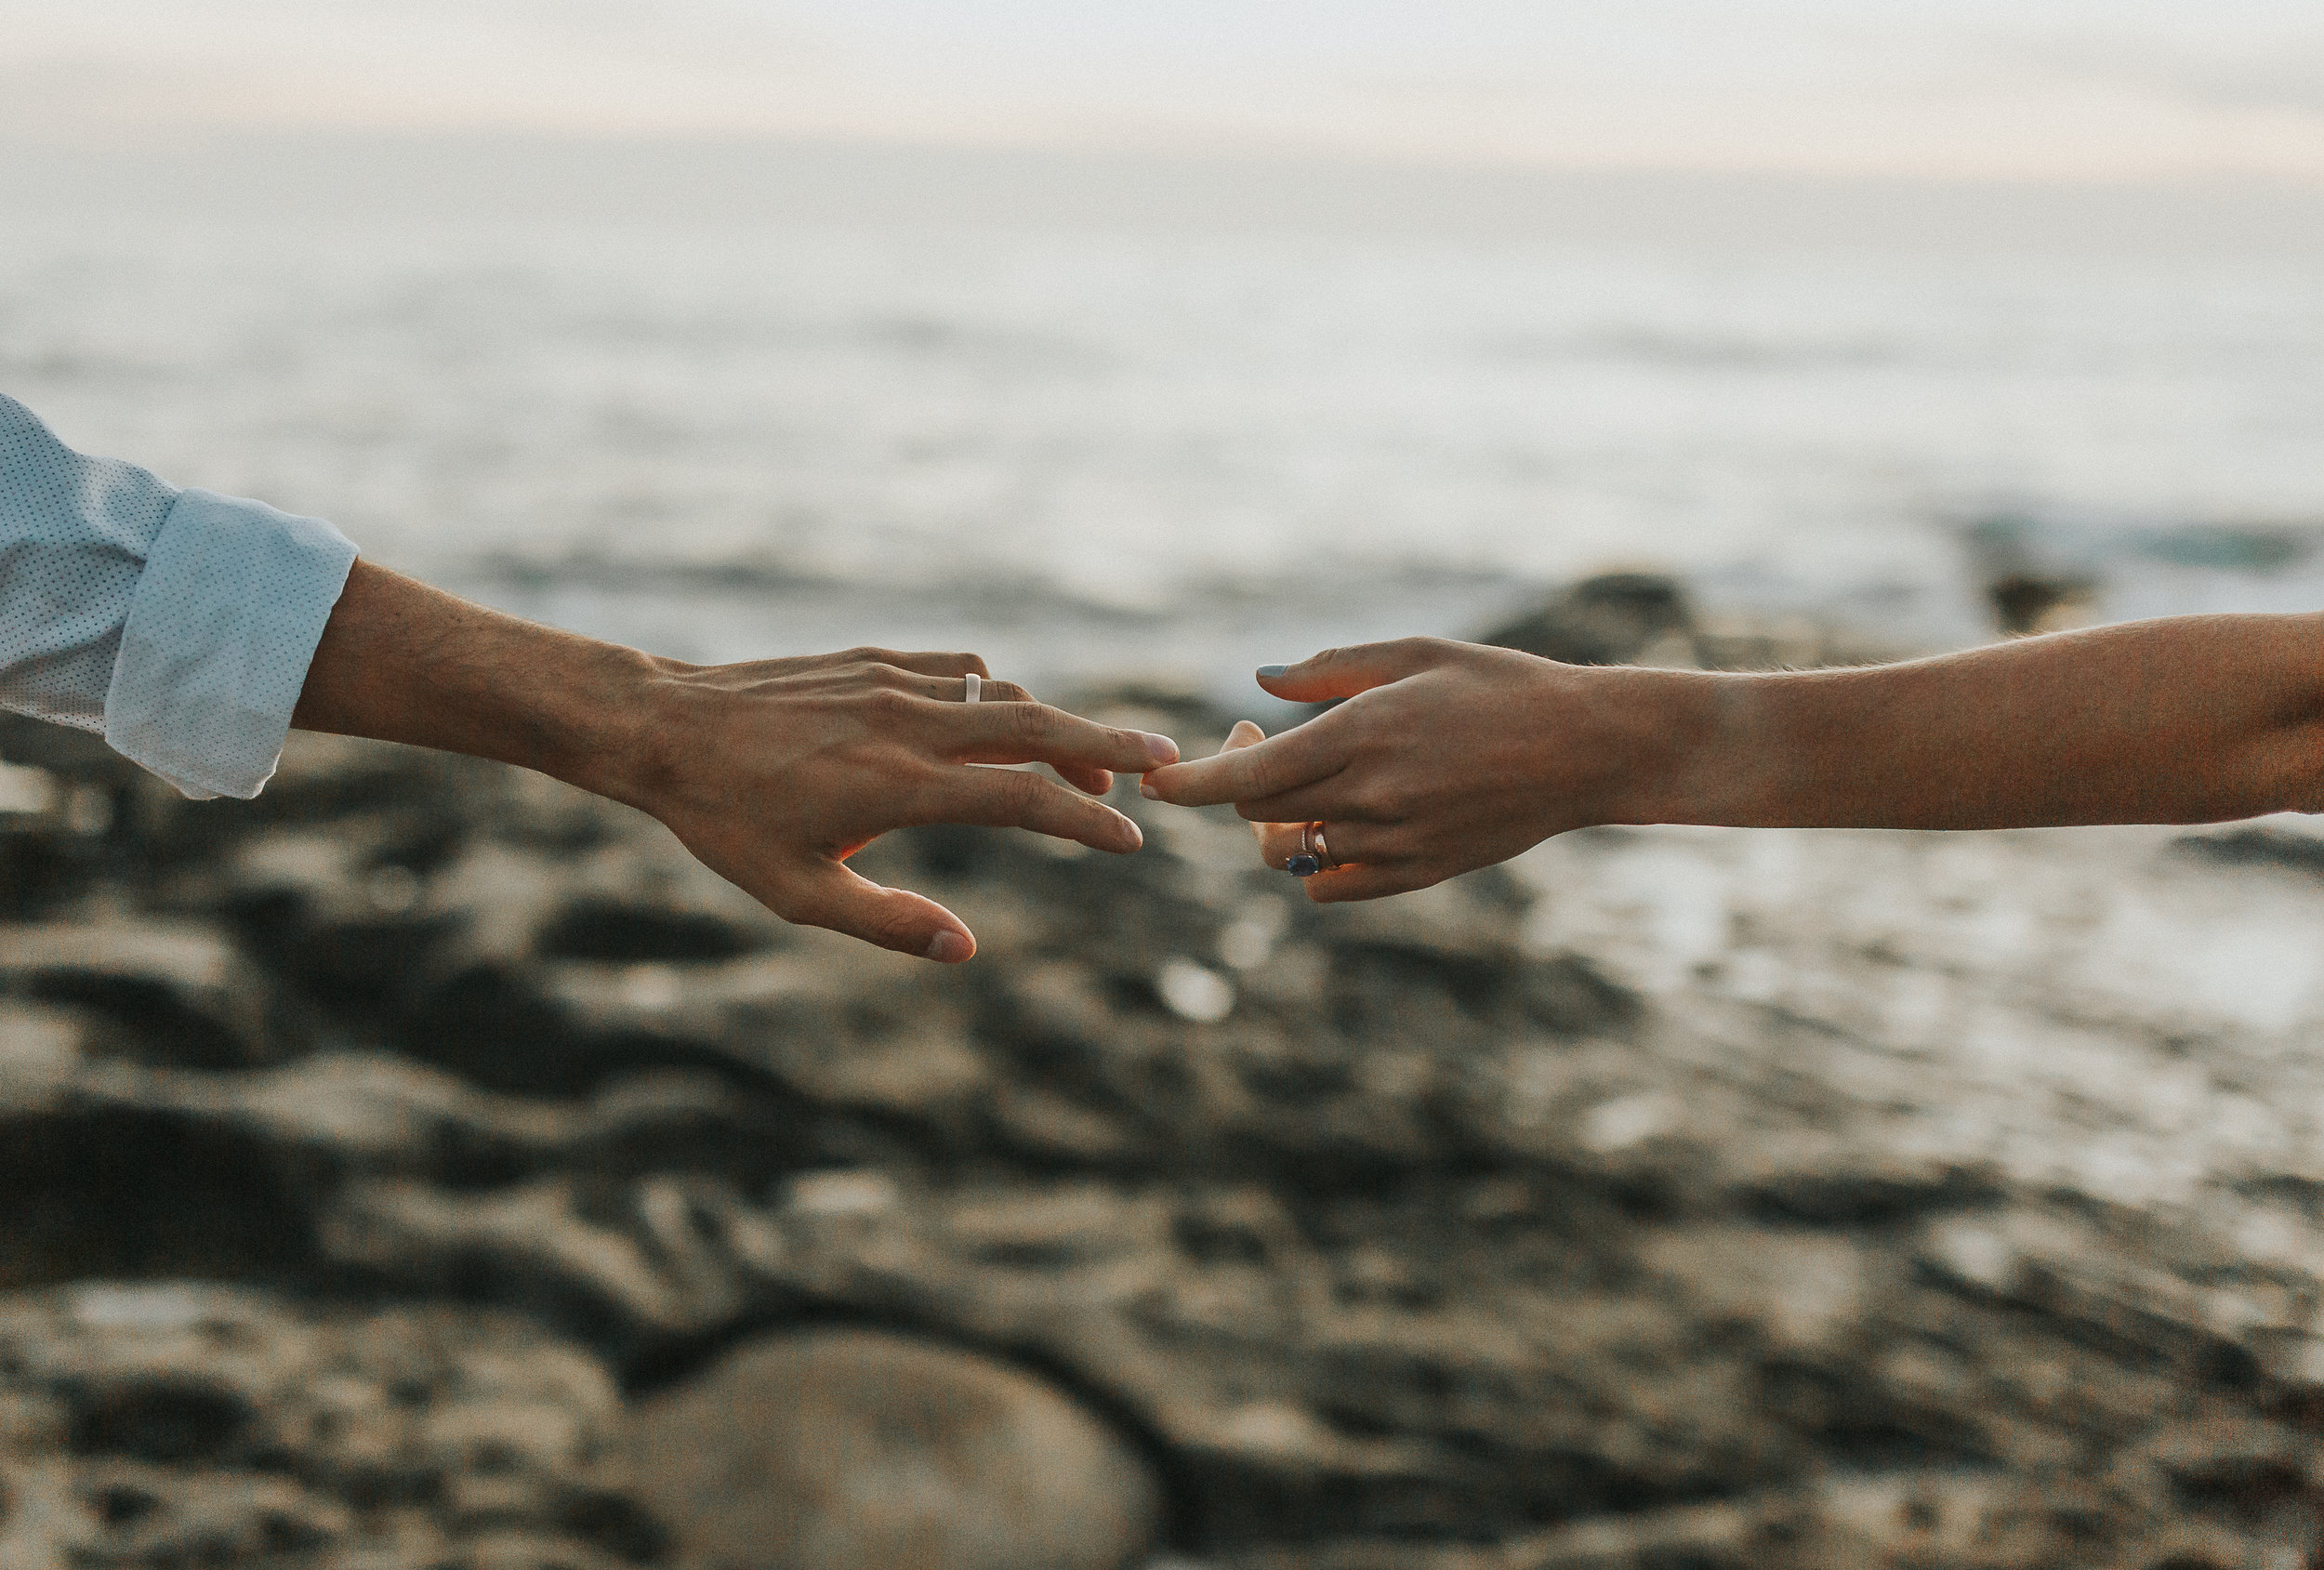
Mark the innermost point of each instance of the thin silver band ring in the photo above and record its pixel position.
(975, 692)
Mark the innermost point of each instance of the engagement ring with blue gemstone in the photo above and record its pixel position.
(1314, 855)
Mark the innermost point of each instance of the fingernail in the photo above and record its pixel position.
(1137, 835)
(1160, 748)
(1148, 791)
(949, 948)
(1271, 671)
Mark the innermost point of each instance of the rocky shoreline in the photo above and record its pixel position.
(398, 1161)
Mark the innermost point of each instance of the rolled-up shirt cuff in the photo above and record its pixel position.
(221, 627)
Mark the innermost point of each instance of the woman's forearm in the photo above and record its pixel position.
(2189, 719)
(1445, 756)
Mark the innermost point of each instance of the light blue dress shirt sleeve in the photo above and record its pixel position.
(179, 624)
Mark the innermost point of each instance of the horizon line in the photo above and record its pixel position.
(180, 142)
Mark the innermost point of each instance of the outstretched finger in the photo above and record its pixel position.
(1343, 673)
(928, 664)
(1298, 756)
(953, 689)
(833, 896)
(1335, 800)
(1031, 732)
(1096, 782)
(1015, 798)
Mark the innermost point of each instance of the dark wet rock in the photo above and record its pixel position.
(1647, 618)
(62, 749)
(2259, 846)
(2033, 581)
(200, 1425)
(140, 1514)
(636, 932)
(124, 1168)
(833, 1449)
(2027, 602)
(181, 992)
(1608, 620)
(57, 826)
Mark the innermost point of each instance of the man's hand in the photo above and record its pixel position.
(773, 773)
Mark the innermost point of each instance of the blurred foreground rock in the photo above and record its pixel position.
(1671, 1198)
(835, 1449)
(174, 1425)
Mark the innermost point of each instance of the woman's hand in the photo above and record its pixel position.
(1444, 757)
(773, 773)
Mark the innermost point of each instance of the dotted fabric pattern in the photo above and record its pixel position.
(179, 624)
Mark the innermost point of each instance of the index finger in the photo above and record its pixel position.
(1034, 732)
(1298, 756)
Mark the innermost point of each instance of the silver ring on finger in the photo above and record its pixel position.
(975, 689)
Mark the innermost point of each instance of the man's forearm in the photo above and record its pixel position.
(402, 662)
(2190, 719)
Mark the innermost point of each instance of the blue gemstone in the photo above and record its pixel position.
(1303, 865)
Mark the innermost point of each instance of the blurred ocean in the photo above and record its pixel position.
(1090, 447)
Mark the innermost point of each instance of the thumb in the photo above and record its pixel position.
(832, 896)
(1343, 673)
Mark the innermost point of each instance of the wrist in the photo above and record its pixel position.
(614, 731)
(1662, 737)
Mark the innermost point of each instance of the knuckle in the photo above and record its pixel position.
(1024, 794)
(1029, 723)
(1260, 773)
(890, 703)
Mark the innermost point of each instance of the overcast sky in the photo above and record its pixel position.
(2047, 88)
